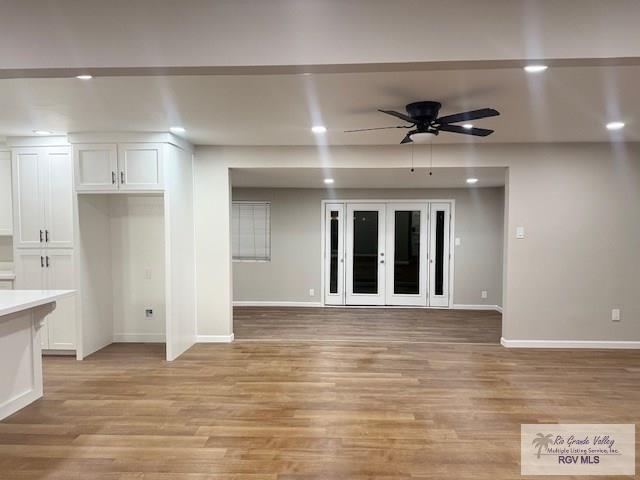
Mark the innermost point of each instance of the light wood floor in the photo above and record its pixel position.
(308, 410)
(417, 325)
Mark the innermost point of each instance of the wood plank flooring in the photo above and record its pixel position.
(417, 325)
(292, 410)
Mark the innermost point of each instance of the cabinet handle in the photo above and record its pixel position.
(41, 261)
(40, 236)
(113, 178)
(47, 261)
(46, 236)
(122, 177)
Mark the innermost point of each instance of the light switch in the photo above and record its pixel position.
(519, 232)
(615, 315)
(457, 241)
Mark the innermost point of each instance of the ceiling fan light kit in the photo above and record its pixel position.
(423, 118)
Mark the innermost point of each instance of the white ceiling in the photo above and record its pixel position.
(367, 178)
(563, 104)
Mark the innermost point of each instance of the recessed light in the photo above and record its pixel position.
(328, 181)
(472, 180)
(318, 129)
(468, 126)
(615, 125)
(42, 132)
(177, 129)
(84, 77)
(535, 68)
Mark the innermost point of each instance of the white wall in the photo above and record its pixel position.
(296, 243)
(138, 267)
(576, 201)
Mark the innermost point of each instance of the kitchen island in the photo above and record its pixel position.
(21, 315)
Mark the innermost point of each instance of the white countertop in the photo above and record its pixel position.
(12, 301)
(7, 275)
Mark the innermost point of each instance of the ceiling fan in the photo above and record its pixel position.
(424, 117)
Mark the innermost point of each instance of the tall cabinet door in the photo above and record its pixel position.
(58, 197)
(334, 254)
(141, 166)
(406, 250)
(59, 274)
(439, 255)
(29, 267)
(96, 167)
(28, 201)
(365, 269)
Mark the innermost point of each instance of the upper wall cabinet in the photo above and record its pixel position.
(42, 197)
(118, 167)
(96, 167)
(6, 214)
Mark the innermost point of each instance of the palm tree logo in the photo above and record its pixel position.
(541, 441)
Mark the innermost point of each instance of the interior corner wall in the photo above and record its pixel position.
(580, 258)
(212, 199)
(296, 242)
(138, 267)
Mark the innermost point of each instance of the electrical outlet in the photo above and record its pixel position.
(148, 313)
(147, 274)
(615, 315)
(312, 292)
(484, 294)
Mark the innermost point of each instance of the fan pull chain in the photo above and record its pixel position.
(430, 158)
(412, 169)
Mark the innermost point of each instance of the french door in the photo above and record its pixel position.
(365, 269)
(392, 253)
(407, 226)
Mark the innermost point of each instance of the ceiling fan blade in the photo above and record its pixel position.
(406, 139)
(399, 115)
(478, 132)
(466, 116)
(378, 128)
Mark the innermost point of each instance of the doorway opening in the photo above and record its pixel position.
(388, 252)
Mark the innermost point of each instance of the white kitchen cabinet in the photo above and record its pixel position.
(140, 166)
(110, 167)
(96, 167)
(50, 269)
(42, 197)
(6, 213)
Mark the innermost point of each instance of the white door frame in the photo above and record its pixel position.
(351, 297)
(421, 298)
(450, 201)
(338, 297)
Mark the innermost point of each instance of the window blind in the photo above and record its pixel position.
(251, 231)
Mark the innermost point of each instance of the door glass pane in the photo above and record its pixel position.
(365, 252)
(406, 264)
(439, 252)
(333, 264)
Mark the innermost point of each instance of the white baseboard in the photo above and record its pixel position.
(569, 344)
(214, 338)
(495, 308)
(260, 303)
(139, 338)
